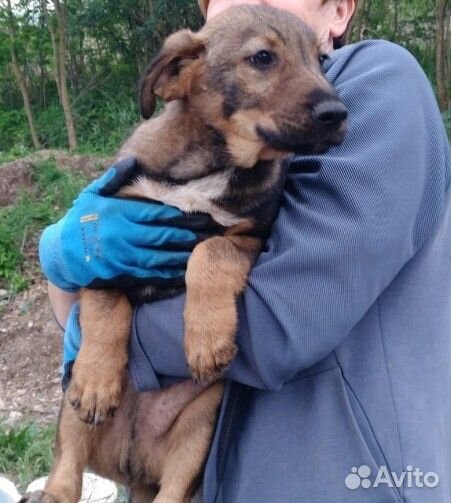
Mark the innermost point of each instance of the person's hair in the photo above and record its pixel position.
(338, 42)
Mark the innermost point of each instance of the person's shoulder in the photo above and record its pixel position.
(369, 49)
(375, 59)
(372, 52)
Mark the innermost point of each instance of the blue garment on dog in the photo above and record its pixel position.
(341, 390)
(344, 335)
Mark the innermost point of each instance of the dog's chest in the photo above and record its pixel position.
(191, 196)
(231, 196)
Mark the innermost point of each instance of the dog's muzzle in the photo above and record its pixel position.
(325, 127)
(330, 113)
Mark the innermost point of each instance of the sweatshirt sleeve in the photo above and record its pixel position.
(341, 235)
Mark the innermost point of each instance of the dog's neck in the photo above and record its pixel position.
(188, 164)
(179, 145)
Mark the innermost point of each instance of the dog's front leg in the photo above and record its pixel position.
(98, 373)
(217, 273)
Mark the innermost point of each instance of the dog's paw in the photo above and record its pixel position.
(95, 394)
(38, 497)
(207, 361)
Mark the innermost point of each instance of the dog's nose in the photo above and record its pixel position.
(330, 113)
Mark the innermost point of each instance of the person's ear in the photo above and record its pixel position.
(344, 10)
(171, 74)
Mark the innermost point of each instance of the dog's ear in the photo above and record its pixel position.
(171, 73)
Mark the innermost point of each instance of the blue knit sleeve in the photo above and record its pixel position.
(341, 235)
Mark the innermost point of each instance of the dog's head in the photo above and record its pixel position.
(255, 74)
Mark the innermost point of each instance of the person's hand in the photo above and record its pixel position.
(105, 241)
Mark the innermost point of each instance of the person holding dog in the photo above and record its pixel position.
(341, 389)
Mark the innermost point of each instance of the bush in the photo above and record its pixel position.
(20, 224)
(51, 126)
(102, 121)
(14, 153)
(102, 128)
(14, 130)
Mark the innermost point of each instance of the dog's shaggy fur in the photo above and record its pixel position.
(245, 91)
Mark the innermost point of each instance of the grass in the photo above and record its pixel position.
(14, 153)
(26, 452)
(52, 193)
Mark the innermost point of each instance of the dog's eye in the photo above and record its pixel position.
(261, 59)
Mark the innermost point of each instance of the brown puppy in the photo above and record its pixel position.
(244, 91)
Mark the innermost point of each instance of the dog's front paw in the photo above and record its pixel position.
(208, 358)
(95, 393)
(38, 497)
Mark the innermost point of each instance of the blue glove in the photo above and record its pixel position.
(105, 241)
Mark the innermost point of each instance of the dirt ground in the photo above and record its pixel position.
(30, 339)
(16, 175)
(30, 357)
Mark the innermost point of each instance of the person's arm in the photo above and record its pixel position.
(341, 235)
(61, 303)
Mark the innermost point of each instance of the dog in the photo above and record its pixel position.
(241, 95)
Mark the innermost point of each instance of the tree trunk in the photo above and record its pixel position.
(58, 38)
(50, 27)
(440, 55)
(396, 20)
(20, 77)
(368, 11)
(65, 99)
(448, 42)
(358, 24)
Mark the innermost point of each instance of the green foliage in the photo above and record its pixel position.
(14, 132)
(26, 452)
(51, 126)
(447, 121)
(13, 153)
(101, 129)
(109, 44)
(410, 23)
(53, 192)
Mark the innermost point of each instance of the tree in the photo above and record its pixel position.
(440, 54)
(20, 78)
(58, 36)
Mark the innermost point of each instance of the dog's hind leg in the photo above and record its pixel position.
(187, 445)
(73, 444)
(98, 373)
(142, 494)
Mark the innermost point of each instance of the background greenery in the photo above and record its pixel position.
(51, 193)
(107, 44)
(26, 452)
